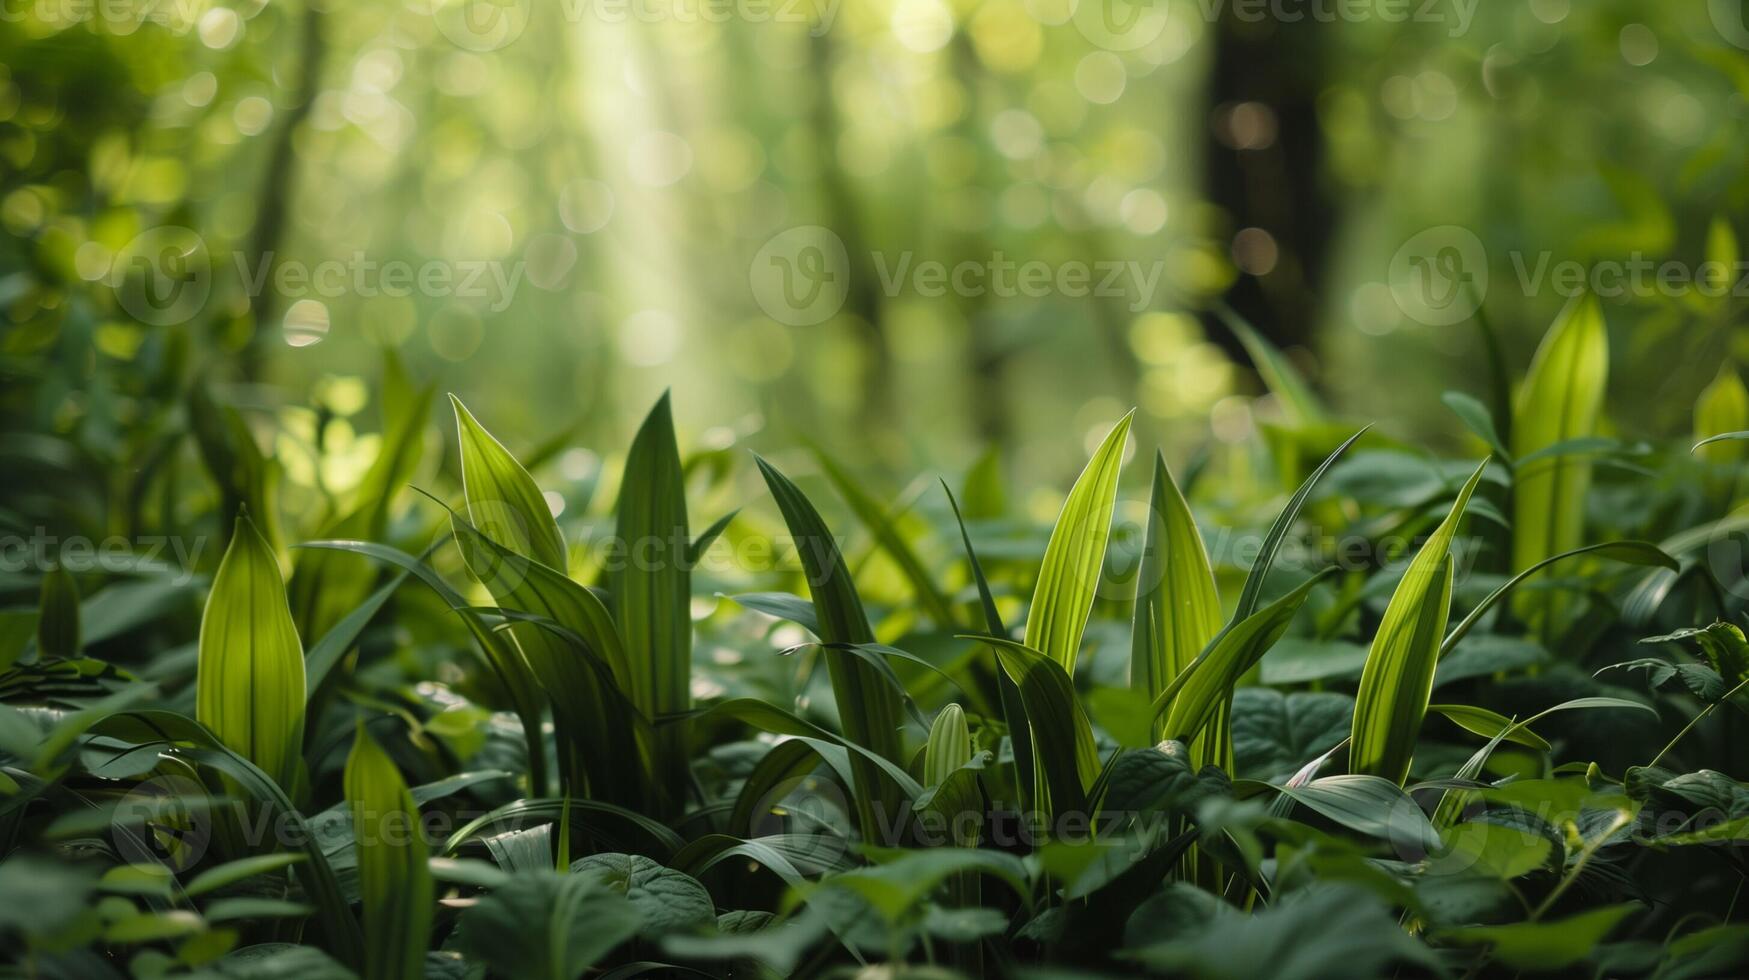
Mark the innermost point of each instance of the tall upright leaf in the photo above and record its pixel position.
(394, 881)
(867, 708)
(1197, 694)
(1398, 677)
(1560, 400)
(653, 591)
(503, 500)
(1069, 578)
(249, 683)
(1178, 610)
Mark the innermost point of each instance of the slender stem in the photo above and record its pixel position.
(1695, 721)
(1566, 881)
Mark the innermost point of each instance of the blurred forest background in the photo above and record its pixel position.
(592, 198)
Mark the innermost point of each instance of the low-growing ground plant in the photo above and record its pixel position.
(1380, 712)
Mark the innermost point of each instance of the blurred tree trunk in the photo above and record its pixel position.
(1267, 171)
(268, 233)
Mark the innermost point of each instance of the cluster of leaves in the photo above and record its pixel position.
(453, 744)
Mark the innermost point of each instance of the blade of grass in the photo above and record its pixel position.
(1195, 695)
(1013, 707)
(1068, 579)
(394, 882)
(1178, 610)
(867, 709)
(1560, 401)
(654, 593)
(1397, 680)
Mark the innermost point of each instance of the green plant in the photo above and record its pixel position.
(1405, 762)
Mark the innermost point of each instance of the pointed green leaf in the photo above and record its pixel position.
(394, 882)
(1178, 610)
(1069, 578)
(654, 591)
(503, 500)
(1560, 401)
(1397, 680)
(249, 685)
(868, 710)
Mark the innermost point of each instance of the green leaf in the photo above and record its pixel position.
(1274, 734)
(868, 710)
(1627, 552)
(1013, 706)
(1493, 849)
(1300, 406)
(500, 653)
(503, 500)
(1476, 416)
(1201, 689)
(654, 592)
(1560, 400)
(581, 665)
(1062, 737)
(1370, 805)
(394, 881)
(1252, 592)
(546, 926)
(1398, 678)
(1545, 945)
(666, 900)
(57, 625)
(1488, 724)
(249, 685)
(232, 872)
(1068, 579)
(1178, 610)
(952, 785)
(316, 875)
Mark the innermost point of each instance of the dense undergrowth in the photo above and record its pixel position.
(1334, 707)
